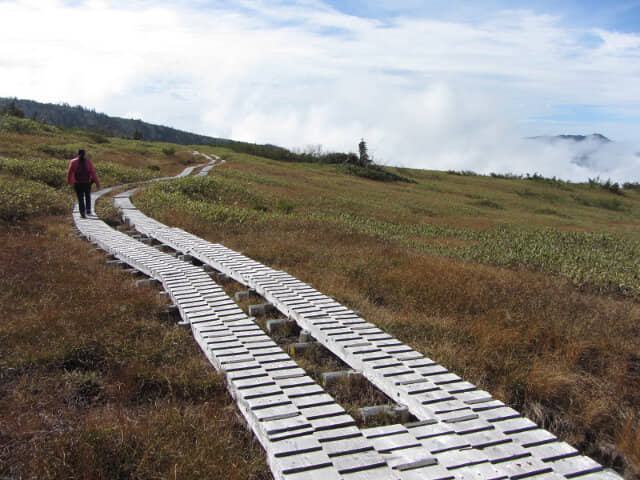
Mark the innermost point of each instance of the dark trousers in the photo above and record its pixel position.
(83, 190)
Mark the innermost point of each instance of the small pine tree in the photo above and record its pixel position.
(365, 161)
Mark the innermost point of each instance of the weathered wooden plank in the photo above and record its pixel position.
(575, 466)
(552, 451)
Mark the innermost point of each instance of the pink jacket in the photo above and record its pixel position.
(73, 166)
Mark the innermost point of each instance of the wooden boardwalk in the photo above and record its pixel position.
(462, 432)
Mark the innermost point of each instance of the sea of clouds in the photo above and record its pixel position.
(424, 93)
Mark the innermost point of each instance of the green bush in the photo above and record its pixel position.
(211, 189)
(58, 151)
(284, 205)
(49, 171)
(606, 203)
(54, 172)
(112, 174)
(373, 172)
(168, 151)
(20, 199)
(10, 124)
(610, 186)
(96, 137)
(159, 203)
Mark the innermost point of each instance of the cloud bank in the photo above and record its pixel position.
(424, 93)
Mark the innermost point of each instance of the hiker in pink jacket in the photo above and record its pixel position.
(81, 175)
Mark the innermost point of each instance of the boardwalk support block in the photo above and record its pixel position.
(133, 271)
(261, 309)
(220, 277)
(331, 378)
(301, 347)
(171, 314)
(245, 295)
(278, 325)
(394, 413)
(305, 336)
(148, 282)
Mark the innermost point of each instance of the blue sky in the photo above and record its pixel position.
(622, 16)
(432, 84)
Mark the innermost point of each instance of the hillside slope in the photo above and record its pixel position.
(527, 287)
(66, 116)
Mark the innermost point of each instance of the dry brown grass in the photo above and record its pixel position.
(561, 354)
(92, 384)
(566, 358)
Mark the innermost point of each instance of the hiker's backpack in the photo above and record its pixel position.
(82, 172)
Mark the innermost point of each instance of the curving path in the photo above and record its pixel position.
(462, 432)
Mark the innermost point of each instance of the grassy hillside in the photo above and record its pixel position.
(93, 383)
(528, 288)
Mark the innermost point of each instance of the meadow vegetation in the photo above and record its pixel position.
(527, 287)
(93, 383)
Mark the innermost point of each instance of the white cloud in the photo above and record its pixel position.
(423, 93)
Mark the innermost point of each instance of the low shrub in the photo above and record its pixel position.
(53, 172)
(210, 188)
(506, 176)
(11, 124)
(614, 204)
(284, 206)
(463, 173)
(176, 203)
(488, 203)
(96, 137)
(112, 174)
(552, 182)
(20, 199)
(609, 186)
(58, 151)
(373, 172)
(49, 171)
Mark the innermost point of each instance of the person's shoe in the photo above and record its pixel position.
(88, 212)
(83, 215)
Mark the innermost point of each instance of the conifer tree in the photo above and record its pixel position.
(364, 155)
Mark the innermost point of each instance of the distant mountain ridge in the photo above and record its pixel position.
(586, 148)
(66, 116)
(596, 137)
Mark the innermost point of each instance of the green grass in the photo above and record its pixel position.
(604, 259)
